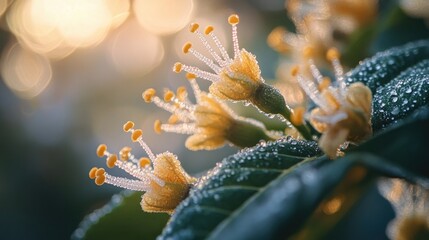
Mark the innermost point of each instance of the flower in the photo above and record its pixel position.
(210, 122)
(165, 184)
(410, 203)
(343, 113)
(234, 78)
(238, 78)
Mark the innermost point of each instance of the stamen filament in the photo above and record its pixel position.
(134, 185)
(206, 60)
(220, 47)
(210, 49)
(200, 73)
(183, 128)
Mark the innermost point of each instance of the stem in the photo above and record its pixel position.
(303, 129)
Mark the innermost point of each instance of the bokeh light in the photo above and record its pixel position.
(135, 51)
(163, 16)
(26, 73)
(56, 28)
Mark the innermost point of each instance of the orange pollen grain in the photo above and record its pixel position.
(168, 96)
(136, 135)
(173, 119)
(233, 19)
(186, 47)
(157, 126)
(308, 52)
(128, 126)
(144, 162)
(177, 67)
(294, 70)
(125, 151)
(100, 172)
(100, 180)
(193, 27)
(332, 54)
(111, 160)
(190, 76)
(148, 95)
(92, 173)
(101, 149)
(208, 30)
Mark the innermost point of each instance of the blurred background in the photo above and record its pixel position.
(72, 72)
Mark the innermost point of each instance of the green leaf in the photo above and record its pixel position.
(121, 218)
(231, 183)
(281, 209)
(398, 79)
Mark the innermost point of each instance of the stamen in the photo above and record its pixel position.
(194, 85)
(183, 113)
(333, 55)
(157, 126)
(134, 185)
(124, 154)
(183, 128)
(326, 82)
(200, 73)
(234, 20)
(101, 150)
(92, 173)
(168, 96)
(144, 162)
(194, 29)
(309, 88)
(188, 48)
(128, 126)
(111, 160)
(136, 135)
(177, 67)
(182, 93)
(149, 94)
(173, 119)
(209, 31)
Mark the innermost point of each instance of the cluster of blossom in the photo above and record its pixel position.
(342, 114)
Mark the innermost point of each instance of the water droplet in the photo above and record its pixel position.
(409, 90)
(394, 99)
(395, 111)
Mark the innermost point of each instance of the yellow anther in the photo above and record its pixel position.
(148, 95)
(144, 162)
(233, 19)
(92, 173)
(308, 52)
(297, 117)
(124, 153)
(100, 180)
(181, 93)
(208, 30)
(186, 47)
(173, 119)
(326, 82)
(294, 70)
(332, 54)
(136, 135)
(128, 126)
(111, 160)
(177, 67)
(100, 172)
(168, 96)
(157, 126)
(190, 76)
(101, 149)
(193, 27)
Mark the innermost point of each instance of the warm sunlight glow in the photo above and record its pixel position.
(135, 51)
(55, 28)
(163, 16)
(26, 73)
